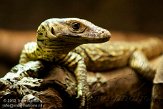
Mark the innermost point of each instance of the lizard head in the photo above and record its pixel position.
(73, 30)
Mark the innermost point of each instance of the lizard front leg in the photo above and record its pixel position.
(82, 87)
(30, 52)
(140, 64)
(74, 59)
(28, 61)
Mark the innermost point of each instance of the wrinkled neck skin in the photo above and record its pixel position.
(56, 47)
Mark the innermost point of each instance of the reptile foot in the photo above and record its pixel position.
(84, 96)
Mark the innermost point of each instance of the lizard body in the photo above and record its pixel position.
(110, 55)
(114, 54)
(60, 41)
(56, 39)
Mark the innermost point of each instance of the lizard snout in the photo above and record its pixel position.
(105, 34)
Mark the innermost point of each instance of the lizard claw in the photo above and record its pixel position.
(79, 94)
(84, 96)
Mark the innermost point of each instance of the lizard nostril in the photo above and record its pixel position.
(52, 31)
(43, 27)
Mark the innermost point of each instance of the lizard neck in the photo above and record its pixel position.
(56, 47)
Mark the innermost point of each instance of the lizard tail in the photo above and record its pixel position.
(151, 47)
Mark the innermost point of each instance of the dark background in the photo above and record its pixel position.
(19, 20)
(144, 16)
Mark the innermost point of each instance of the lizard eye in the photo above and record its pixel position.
(76, 26)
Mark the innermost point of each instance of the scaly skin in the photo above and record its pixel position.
(114, 54)
(110, 55)
(56, 41)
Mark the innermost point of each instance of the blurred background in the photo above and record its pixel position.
(126, 19)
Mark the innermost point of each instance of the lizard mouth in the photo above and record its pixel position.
(88, 38)
(98, 40)
(104, 39)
